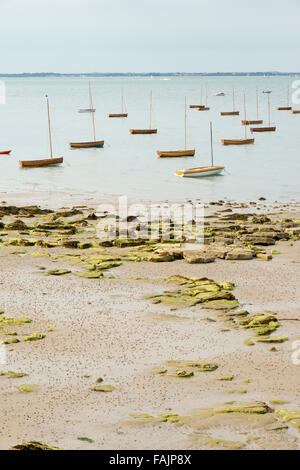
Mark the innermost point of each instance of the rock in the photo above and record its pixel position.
(293, 231)
(257, 239)
(33, 446)
(239, 254)
(264, 257)
(198, 257)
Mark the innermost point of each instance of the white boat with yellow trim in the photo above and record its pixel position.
(200, 171)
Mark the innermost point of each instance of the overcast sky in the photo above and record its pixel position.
(149, 35)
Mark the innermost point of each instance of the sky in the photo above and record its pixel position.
(74, 36)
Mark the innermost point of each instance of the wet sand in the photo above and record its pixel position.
(107, 328)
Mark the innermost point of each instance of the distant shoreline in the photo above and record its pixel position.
(148, 74)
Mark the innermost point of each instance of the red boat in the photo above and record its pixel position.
(5, 152)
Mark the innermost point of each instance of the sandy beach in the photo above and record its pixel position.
(90, 331)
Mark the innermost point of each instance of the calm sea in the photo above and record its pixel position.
(128, 164)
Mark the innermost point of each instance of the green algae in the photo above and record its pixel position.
(58, 272)
(18, 321)
(215, 443)
(275, 401)
(182, 374)
(90, 275)
(249, 342)
(247, 408)
(200, 366)
(35, 337)
(272, 339)
(159, 371)
(225, 378)
(30, 446)
(85, 439)
(102, 388)
(11, 341)
(221, 305)
(27, 388)
(290, 416)
(13, 375)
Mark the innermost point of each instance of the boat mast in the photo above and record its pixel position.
(122, 98)
(201, 102)
(245, 109)
(150, 109)
(269, 111)
(206, 96)
(211, 145)
(233, 99)
(257, 105)
(49, 126)
(92, 113)
(288, 96)
(185, 123)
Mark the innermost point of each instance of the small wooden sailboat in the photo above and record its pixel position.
(179, 153)
(95, 143)
(295, 111)
(244, 141)
(257, 121)
(45, 161)
(124, 113)
(220, 93)
(146, 131)
(5, 152)
(288, 107)
(231, 113)
(199, 106)
(202, 170)
(203, 107)
(268, 128)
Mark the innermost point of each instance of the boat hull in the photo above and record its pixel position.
(89, 110)
(295, 111)
(238, 141)
(5, 152)
(87, 145)
(287, 108)
(143, 131)
(39, 163)
(263, 129)
(118, 115)
(248, 123)
(230, 113)
(176, 153)
(203, 109)
(200, 172)
(197, 106)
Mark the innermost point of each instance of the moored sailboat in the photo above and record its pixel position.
(124, 113)
(92, 144)
(257, 121)
(146, 131)
(45, 161)
(5, 152)
(268, 128)
(288, 107)
(204, 107)
(246, 140)
(179, 153)
(202, 171)
(231, 113)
